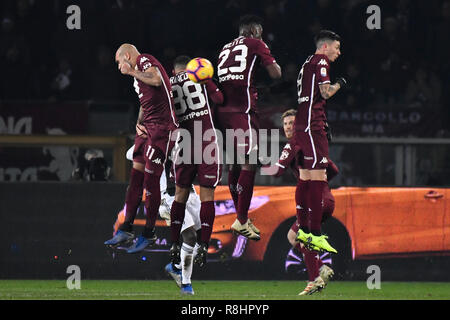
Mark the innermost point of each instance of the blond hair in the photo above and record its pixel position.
(288, 113)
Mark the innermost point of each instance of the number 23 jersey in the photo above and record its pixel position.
(236, 67)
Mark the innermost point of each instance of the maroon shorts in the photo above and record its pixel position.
(314, 148)
(201, 160)
(157, 147)
(208, 175)
(139, 147)
(245, 134)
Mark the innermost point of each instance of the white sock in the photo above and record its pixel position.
(197, 246)
(187, 258)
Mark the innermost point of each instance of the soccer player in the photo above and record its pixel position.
(182, 272)
(156, 114)
(237, 63)
(195, 115)
(318, 273)
(314, 88)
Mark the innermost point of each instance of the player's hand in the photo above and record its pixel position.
(141, 131)
(342, 82)
(125, 68)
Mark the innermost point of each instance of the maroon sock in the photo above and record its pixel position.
(315, 191)
(207, 215)
(245, 189)
(152, 199)
(133, 197)
(319, 262)
(301, 199)
(233, 177)
(177, 213)
(311, 263)
(328, 203)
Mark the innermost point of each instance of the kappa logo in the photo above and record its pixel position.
(239, 188)
(143, 59)
(323, 62)
(157, 161)
(288, 146)
(324, 160)
(205, 224)
(299, 207)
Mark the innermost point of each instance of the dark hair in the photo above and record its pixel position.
(248, 20)
(181, 61)
(326, 35)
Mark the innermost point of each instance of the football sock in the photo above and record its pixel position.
(301, 197)
(196, 247)
(207, 215)
(328, 203)
(310, 261)
(315, 192)
(152, 198)
(233, 178)
(177, 214)
(133, 198)
(186, 255)
(246, 182)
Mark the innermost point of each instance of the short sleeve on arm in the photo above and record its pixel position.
(323, 72)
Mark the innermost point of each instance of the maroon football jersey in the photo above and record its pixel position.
(236, 67)
(311, 111)
(156, 102)
(191, 101)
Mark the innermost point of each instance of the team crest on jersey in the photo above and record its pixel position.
(323, 62)
(284, 155)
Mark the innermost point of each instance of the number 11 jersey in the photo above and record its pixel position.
(236, 67)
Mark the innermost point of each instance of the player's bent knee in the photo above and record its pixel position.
(206, 193)
(189, 236)
(139, 166)
(291, 235)
(181, 194)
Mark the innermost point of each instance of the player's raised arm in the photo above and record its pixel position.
(274, 70)
(150, 76)
(328, 90)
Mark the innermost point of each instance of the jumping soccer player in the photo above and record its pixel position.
(318, 273)
(195, 115)
(314, 88)
(156, 114)
(236, 67)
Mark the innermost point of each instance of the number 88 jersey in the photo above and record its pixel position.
(192, 101)
(236, 67)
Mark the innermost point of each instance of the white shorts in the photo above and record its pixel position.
(192, 216)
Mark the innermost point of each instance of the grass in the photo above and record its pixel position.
(218, 290)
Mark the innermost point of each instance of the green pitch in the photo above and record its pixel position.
(218, 290)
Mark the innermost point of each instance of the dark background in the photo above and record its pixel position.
(405, 63)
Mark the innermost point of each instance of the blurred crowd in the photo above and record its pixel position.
(405, 63)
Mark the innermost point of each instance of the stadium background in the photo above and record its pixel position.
(56, 81)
